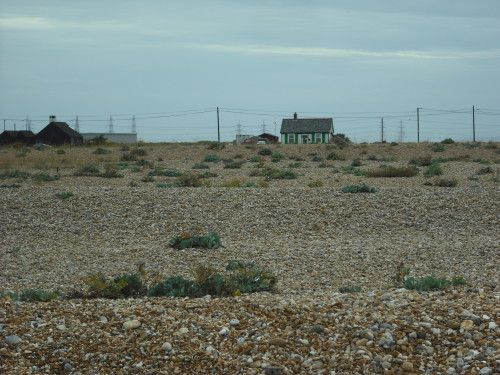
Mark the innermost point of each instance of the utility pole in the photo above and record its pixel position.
(238, 128)
(134, 129)
(473, 124)
(218, 126)
(418, 124)
(400, 138)
(4, 124)
(382, 127)
(77, 124)
(28, 123)
(111, 124)
(263, 126)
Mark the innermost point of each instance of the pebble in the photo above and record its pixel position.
(224, 332)
(407, 366)
(12, 340)
(131, 324)
(467, 325)
(68, 367)
(277, 341)
(167, 346)
(234, 322)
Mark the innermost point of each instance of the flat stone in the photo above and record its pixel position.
(407, 366)
(12, 340)
(167, 346)
(467, 325)
(277, 341)
(131, 324)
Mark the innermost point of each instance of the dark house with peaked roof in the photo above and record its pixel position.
(13, 136)
(307, 130)
(58, 133)
(269, 138)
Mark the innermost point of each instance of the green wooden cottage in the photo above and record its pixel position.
(306, 130)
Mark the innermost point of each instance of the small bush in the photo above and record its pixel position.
(458, 280)
(251, 280)
(442, 182)
(64, 195)
(128, 157)
(44, 177)
(354, 171)
(315, 183)
(255, 159)
(335, 156)
(437, 147)
(421, 161)
(175, 286)
(237, 264)
(233, 165)
(101, 151)
(485, 170)
(60, 152)
(317, 158)
(189, 180)
(111, 172)
(40, 147)
(37, 295)
(356, 163)
(393, 172)
(216, 146)
(371, 157)
(358, 189)
(139, 152)
(294, 165)
(265, 152)
(143, 163)
(200, 166)
(394, 144)
(185, 240)
(426, 283)
(15, 186)
(276, 157)
(207, 175)
(433, 170)
(350, 289)
(119, 287)
(125, 148)
(212, 159)
(447, 141)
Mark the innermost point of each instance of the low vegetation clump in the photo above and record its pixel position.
(31, 295)
(128, 157)
(185, 240)
(265, 152)
(40, 147)
(350, 289)
(111, 172)
(354, 171)
(277, 157)
(256, 159)
(64, 195)
(447, 141)
(389, 171)
(216, 146)
(274, 174)
(207, 175)
(437, 147)
(358, 189)
(189, 180)
(434, 170)
(426, 283)
(335, 156)
(15, 186)
(443, 182)
(421, 161)
(233, 165)
(139, 152)
(167, 173)
(44, 177)
(101, 151)
(356, 163)
(315, 183)
(88, 170)
(125, 286)
(485, 170)
(212, 159)
(60, 152)
(200, 166)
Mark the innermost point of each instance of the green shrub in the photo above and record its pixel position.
(233, 165)
(394, 143)
(358, 189)
(64, 195)
(216, 146)
(44, 177)
(185, 240)
(125, 148)
(122, 165)
(433, 170)
(237, 264)
(354, 171)
(471, 145)
(255, 159)
(274, 174)
(481, 161)
(37, 295)
(371, 157)
(437, 147)
(393, 172)
(421, 161)
(40, 147)
(148, 179)
(317, 158)
(207, 175)
(265, 152)
(189, 180)
(129, 285)
(458, 280)
(447, 141)
(350, 289)
(356, 163)
(294, 165)
(426, 283)
(143, 163)
(335, 156)
(101, 151)
(128, 157)
(139, 152)
(442, 182)
(175, 286)
(111, 172)
(276, 157)
(212, 159)
(200, 166)
(89, 170)
(60, 152)
(251, 280)
(485, 170)
(10, 186)
(315, 183)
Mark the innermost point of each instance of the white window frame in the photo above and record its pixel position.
(318, 137)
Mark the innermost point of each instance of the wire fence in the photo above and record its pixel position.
(422, 124)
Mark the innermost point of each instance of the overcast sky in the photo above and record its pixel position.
(171, 63)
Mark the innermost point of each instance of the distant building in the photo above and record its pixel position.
(58, 133)
(112, 137)
(17, 136)
(307, 130)
(269, 138)
(242, 138)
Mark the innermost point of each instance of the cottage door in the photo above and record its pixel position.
(305, 137)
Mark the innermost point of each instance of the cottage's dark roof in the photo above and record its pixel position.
(307, 125)
(15, 133)
(64, 127)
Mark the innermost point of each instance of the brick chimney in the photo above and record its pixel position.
(295, 116)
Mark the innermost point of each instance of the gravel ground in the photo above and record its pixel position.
(315, 240)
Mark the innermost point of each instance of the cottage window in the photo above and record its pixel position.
(291, 138)
(318, 138)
